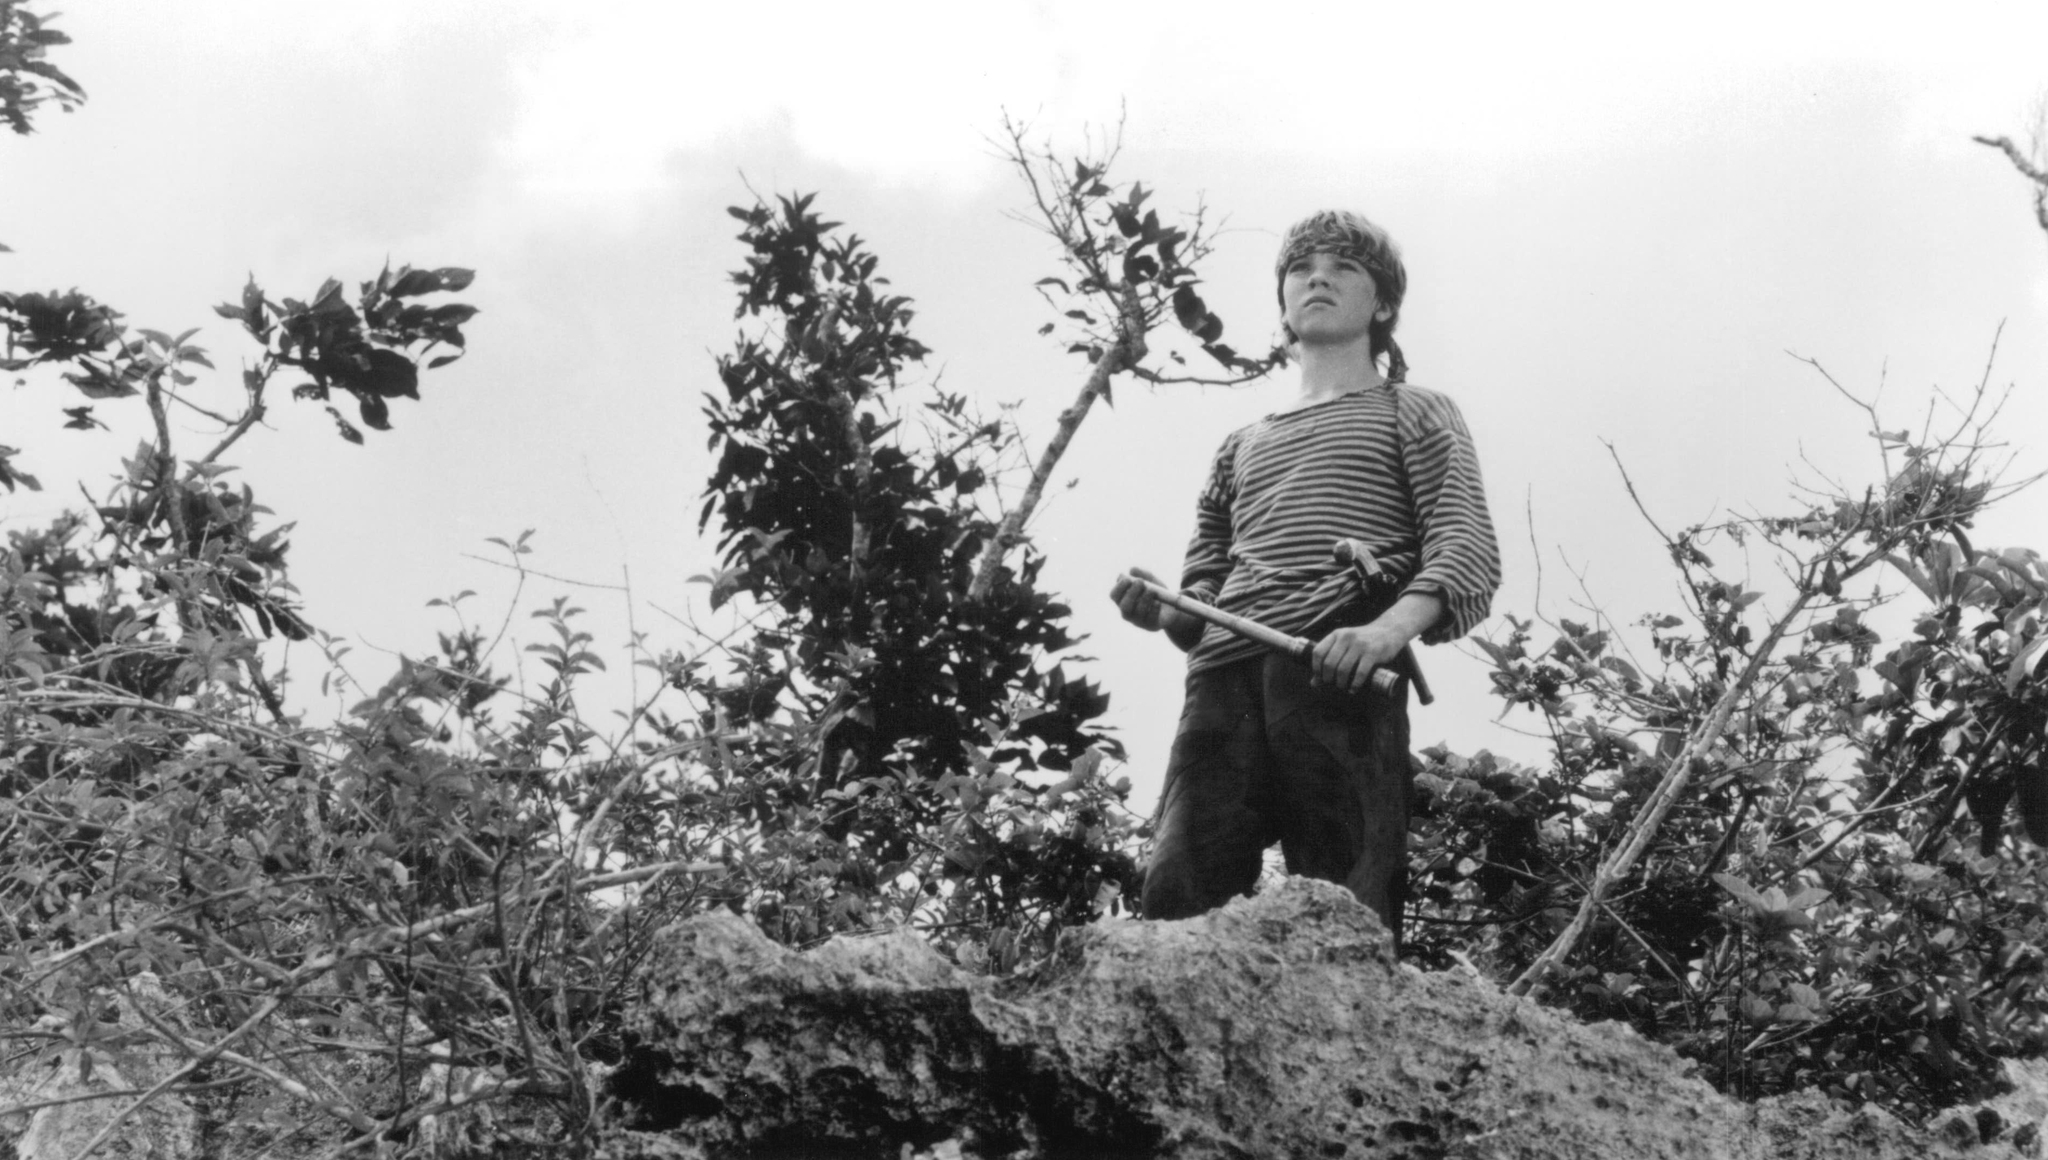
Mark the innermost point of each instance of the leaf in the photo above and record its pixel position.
(1756, 1009)
(389, 375)
(2024, 664)
(1743, 891)
(10, 477)
(95, 385)
(345, 428)
(415, 282)
(376, 412)
(2030, 790)
(81, 419)
(1623, 669)
(252, 302)
(1807, 898)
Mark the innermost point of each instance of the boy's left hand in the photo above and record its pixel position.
(1346, 657)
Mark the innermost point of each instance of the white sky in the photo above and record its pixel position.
(1616, 225)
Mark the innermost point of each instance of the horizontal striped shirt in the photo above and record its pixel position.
(1391, 466)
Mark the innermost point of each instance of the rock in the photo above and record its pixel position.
(167, 1128)
(1280, 1025)
(2022, 1111)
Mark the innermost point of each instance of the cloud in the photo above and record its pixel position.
(902, 93)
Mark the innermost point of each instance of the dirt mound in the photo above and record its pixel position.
(1278, 1026)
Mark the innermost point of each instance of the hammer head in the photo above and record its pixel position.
(1359, 558)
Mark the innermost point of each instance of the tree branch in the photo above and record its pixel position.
(2037, 174)
(1645, 824)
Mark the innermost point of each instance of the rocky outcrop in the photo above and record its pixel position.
(74, 1099)
(1278, 1026)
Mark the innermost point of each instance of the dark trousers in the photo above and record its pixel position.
(1262, 756)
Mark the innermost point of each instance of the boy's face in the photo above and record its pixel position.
(1329, 298)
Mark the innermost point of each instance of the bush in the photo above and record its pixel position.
(1812, 910)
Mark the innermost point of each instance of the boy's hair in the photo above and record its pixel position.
(1339, 231)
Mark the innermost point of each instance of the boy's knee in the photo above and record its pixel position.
(1175, 891)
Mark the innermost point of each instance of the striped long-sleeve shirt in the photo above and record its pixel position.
(1391, 466)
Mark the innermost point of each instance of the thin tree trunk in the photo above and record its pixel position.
(863, 471)
(1128, 351)
(1644, 827)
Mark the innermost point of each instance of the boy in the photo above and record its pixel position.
(1310, 755)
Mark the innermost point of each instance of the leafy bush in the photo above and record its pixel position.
(435, 902)
(1813, 910)
(1764, 835)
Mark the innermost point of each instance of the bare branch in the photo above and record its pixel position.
(253, 383)
(2034, 173)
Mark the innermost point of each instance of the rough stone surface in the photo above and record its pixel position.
(167, 1128)
(1278, 1026)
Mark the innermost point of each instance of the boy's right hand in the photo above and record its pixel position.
(1142, 608)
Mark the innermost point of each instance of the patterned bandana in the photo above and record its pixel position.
(1339, 231)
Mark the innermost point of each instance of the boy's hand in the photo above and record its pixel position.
(1346, 657)
(1148, 612)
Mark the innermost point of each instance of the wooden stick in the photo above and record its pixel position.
(1384, 680)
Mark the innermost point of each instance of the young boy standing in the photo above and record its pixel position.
(1312, 756)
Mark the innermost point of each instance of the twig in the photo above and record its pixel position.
(1010, 533)
(117, 1093)
(525, 571)
(199, 1059)
(253, 382)
(2033, 173)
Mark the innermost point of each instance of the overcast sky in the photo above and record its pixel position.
(1617, 224)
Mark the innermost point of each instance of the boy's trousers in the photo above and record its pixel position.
(1262, 756)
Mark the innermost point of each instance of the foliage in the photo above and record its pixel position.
(1815, 911)
(435, 903)
(909, 757)
(272, 903)
(365, 931)
(27, 78)
(1128, 271)
(383, 920)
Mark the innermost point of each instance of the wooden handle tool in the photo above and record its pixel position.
(1384, 681)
